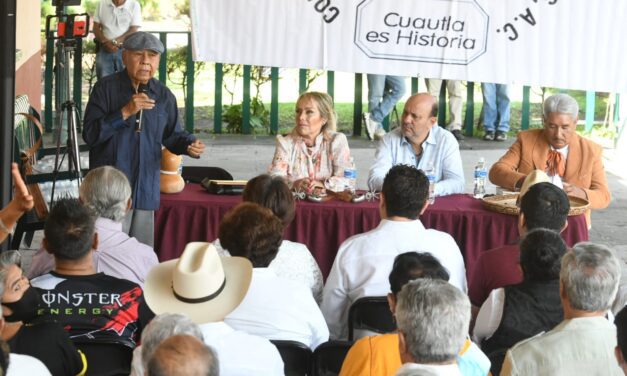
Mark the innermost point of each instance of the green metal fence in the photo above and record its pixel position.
(469, 118)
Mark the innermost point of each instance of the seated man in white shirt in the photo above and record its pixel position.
(363, 262)
(422, 143)
(433, 319)
(207, 287)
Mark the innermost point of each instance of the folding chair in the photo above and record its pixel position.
(296, 357)
(370, 313)
(328, 358)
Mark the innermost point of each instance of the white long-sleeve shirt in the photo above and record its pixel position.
(364, 262)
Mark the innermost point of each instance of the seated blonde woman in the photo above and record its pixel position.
(313, 152)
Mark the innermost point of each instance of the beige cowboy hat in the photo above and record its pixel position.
(534, 177)
(200, 284)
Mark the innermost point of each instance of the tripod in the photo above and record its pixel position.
(70, 32)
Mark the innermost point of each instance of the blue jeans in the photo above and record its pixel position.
(108, 63)
(495, 107)
(383, 93)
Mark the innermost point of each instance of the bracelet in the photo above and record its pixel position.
(4, 228)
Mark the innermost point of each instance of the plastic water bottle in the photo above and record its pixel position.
(430, 172)
(480, 178)
(350, 174)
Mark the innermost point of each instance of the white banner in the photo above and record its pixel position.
(569, 44)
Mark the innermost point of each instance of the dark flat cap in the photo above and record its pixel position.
(142, 40)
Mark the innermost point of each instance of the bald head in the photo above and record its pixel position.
(419, 115)
(183, 355)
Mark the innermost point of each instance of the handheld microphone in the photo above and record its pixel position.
(143, 88)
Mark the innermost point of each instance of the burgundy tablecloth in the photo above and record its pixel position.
(194, 215)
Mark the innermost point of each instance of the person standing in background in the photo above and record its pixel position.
(383, 93)
(114, 20)
(495, 111)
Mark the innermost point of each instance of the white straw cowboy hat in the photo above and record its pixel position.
(534, 177)
(200, 284)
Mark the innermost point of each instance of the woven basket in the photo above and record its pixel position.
(506, 204)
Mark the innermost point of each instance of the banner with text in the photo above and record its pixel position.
(574, 44)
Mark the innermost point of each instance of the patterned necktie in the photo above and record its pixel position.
(555, 163)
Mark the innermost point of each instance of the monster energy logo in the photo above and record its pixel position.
(78, 298)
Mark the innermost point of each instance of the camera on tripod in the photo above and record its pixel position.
(68, 31)
(67, 26)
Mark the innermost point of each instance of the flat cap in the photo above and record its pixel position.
(142, 40)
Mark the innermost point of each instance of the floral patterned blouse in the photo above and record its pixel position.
(295, 160)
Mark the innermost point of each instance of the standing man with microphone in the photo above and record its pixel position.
(129, 117)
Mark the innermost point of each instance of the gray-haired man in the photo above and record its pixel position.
(582, 344)
(433, 318)
(107, 193)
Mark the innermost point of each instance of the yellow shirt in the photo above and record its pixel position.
(379, 356)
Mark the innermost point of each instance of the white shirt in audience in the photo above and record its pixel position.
(239, 353)
(364, 262)
(293, 261)
(242, 354)
(277, 308)
(491, 314)
(21, 365)
(415, 369)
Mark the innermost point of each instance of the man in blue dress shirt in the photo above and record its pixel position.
(420, 142)
(128, 118)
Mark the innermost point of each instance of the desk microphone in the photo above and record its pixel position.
(143, 88)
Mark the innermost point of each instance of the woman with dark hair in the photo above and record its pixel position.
(293, 260)
(274, 307)
(517, 312)
(313, 152)
(46, 341)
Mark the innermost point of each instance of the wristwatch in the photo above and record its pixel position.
(115, 42)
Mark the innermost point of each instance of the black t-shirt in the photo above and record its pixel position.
(49, 343)
(97, 307)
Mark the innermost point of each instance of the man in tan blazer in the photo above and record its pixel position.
(572, 162)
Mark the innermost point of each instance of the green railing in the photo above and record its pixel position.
(469, 118)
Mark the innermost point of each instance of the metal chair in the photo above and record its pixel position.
(370, 313)
(328, 358)
(196, 174)
(296, 357)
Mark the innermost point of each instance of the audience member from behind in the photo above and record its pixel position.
(313, 152)
(274, 307)
(206, 288)
(621, 339)
(582, 344)
(12, 364)
(433, 319)
(183, 355)
(543, 206)
(106, 191)
(364, 261)
(517, 312)
(21, 203)
(22, 332)
(160, 328)
(378, 355)
(91, 306)
(293, 260)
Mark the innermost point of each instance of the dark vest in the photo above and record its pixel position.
(529, 309)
